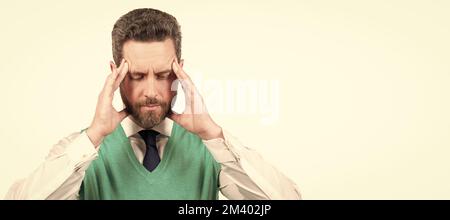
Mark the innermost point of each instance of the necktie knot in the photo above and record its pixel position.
(151, 157)
(149, 137)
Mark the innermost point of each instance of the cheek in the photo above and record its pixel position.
(164, 90)
(130, 91)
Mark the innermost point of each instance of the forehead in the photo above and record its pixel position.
(149, 56)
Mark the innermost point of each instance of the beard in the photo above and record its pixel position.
(146, 119)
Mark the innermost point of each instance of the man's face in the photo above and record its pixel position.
(146, 90)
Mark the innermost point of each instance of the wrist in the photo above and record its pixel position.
(212, 133)
(94, 136)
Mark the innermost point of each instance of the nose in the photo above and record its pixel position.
(150, 87)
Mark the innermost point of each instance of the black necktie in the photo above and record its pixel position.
(151, 158)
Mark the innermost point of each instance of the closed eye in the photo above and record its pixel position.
(163, 76)
(136, 76)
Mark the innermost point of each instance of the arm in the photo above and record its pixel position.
(244, 174)
(61, 174)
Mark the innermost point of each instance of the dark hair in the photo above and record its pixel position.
(145, 24)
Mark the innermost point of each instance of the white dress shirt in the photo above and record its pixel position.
(243, 175)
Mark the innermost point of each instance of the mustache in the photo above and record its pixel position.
(150, 101)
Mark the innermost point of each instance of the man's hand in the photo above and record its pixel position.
(106, 117)
(195, 117)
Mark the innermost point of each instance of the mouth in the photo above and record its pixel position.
(150, 107)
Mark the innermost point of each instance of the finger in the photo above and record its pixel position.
(109, 79)
(121, 66)
(121, 76)
(186, 83)
(179, 72)
(193, 99)
(116, 70)
(112, 65)
(108, 87)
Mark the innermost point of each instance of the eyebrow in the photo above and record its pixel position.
(164, 71)
(156, 73)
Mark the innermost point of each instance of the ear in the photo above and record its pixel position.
(181, 62)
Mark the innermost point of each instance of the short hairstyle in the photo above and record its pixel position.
(145, 24)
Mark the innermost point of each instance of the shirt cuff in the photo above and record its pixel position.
(81, 149)
(222, 149)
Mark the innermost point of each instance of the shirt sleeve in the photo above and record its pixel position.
(61, 174)
(246, 175)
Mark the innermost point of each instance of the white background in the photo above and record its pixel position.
(364, 85)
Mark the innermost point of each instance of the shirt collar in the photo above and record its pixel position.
(131, 128)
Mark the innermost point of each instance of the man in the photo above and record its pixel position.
(146, 151)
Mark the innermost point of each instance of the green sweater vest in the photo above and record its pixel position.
(187, 170)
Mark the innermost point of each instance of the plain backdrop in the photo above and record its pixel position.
(363, 98)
